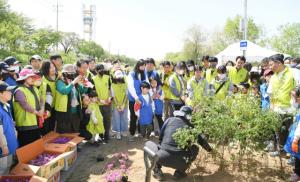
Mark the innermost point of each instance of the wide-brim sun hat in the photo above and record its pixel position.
(25, 73)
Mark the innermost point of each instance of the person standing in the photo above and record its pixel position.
(211, 72)
(8, 138)
(35, 61)
(27, 108)
(164, 77)
(281, 85)
(68, 104)
(238, 74)
(134, 80)
(177, 88)
(102, 86)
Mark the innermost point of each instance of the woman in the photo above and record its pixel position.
(68, 100)
(134, 79)
(49, 79)
(27, 108)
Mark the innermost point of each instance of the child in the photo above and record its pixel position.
(156, 94)
(8, 138)
(95, 125)
(145, 111)
(265, 98)
(292, 143)
(244, 88)
(120, 104)
(86, 115)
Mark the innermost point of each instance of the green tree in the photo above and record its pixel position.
(90, 48)
(42, 41)
(288, 40)
(232, 31)
(194, 42)
(69, 41)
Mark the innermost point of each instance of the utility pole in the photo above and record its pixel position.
(245, 24)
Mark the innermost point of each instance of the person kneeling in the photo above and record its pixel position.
(167, 151)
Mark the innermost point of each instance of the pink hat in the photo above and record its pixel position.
(25, 73)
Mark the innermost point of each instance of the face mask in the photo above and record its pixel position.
(191, 68)
(221, 76)
(16, 68)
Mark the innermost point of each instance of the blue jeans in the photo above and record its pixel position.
(120, 120)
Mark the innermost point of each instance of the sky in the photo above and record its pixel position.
(151, 28)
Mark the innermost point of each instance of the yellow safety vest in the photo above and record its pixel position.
(237, 76)
(282, 87)
(26, 120)
(210, 75)
(52, 88)
(198, 89)
(102, 86)
(179, 86)
(223, 92)
(120, 96)
(166, 88)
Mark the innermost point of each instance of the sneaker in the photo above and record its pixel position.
(294, 178)
(291, 161)
(119, 137)
(158, 174)
(131, 138)
(274, 154)
(179, 175)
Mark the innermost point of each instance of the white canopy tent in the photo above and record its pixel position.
(255, 53)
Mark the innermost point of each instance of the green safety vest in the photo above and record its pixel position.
(120, 96)
(179, 87)
(281, 88)
(236, 76)
(61, 103)
(210, 75)
(166, 88)
(222, 93)
(24, 119)
(52, 88)
(198, 88)
(102, 86)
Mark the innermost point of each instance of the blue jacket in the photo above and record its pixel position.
(158, 105)
(146, 112)
(7, 123)
(154, 75)
(137, 86)
(265, 98)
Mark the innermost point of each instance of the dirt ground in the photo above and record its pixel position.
(88, 169)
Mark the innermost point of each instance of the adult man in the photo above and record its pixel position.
(35, 62)
(167, 151)
(280, 87)
(238, 74)
(8, 139)
(150, 71)
(56, 59)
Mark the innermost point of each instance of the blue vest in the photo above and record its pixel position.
(158, 105)
(137, 86)
(9, 130)
(146, 113)
(154, 75)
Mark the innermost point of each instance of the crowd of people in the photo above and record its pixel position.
(101, 100)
